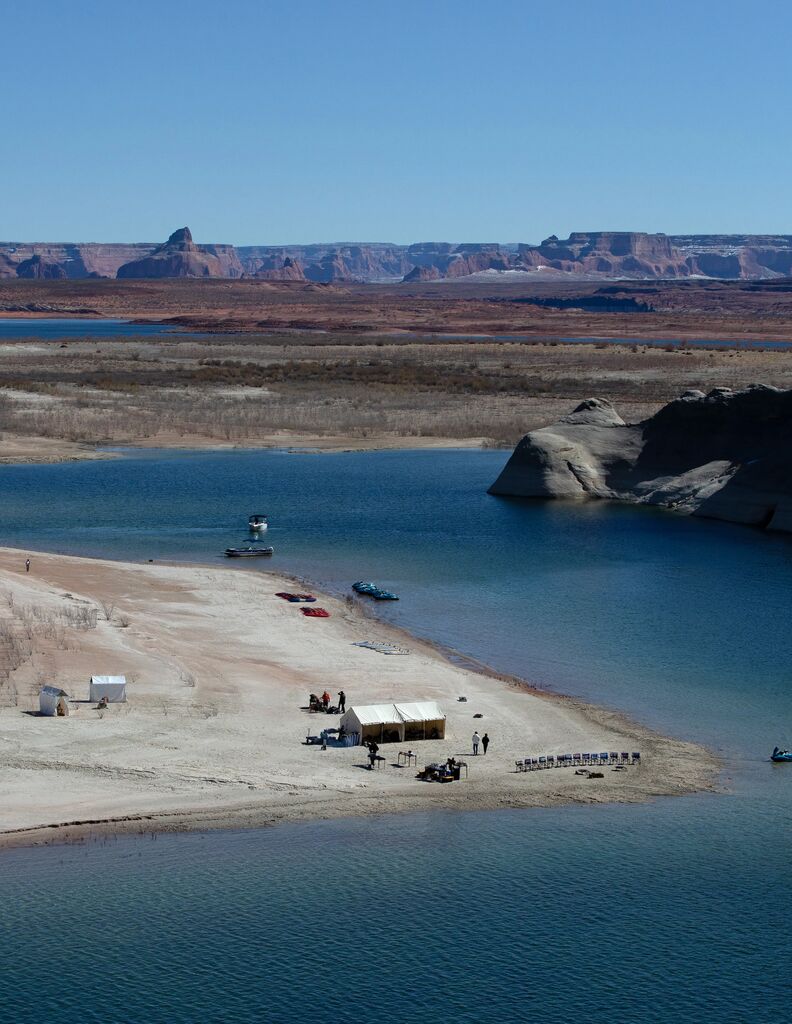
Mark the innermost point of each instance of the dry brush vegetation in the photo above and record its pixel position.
(243, 389)
(28, 631)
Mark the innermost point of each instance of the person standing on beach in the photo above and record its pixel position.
(27, 565)
(485, 742)
(341, 701)
(476, 741)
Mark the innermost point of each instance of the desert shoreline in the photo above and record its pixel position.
(212, 736)
(44, 451)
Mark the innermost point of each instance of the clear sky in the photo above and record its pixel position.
(272, 122)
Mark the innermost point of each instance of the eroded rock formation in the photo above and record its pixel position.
(724, 455)
(274, 268)
(181, 257)
(38, 267)
(592, 255)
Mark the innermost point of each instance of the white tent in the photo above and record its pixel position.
(49, 699)
(386, 723)
(380, 722)
(423, 720)
(112, 687)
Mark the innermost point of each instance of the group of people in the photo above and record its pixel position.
(341, 701)
(483, 740)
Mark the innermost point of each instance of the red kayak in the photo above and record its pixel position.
(316, 613)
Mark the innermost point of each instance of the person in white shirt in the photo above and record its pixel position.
(476, 741)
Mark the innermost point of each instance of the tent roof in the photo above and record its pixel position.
(387, 714)
(54, 691)
(420, 711)
(112, 680)
(376, 714)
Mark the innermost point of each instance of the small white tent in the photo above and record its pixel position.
(112, 687)
(49, 699)
(390, 723)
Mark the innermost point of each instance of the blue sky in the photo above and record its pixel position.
(258, 122)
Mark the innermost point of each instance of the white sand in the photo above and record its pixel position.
(219, 673)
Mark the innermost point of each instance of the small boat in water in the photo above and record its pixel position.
(781, 755)
(257, 523)
(248, 552)
(372, 590)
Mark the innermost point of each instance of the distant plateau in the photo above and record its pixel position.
(594, 255)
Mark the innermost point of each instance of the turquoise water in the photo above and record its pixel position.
(658, 913)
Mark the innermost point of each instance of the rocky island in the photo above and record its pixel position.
(724, 455)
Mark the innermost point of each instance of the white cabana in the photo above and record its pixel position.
(52, 697)
(395, 723)
(112, 687)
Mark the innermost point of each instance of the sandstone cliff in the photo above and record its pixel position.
(631, 255)
(76, 259)
(725, 455)
(273, 268)
(181, 257)
(38, 267)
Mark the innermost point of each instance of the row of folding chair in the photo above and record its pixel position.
(532, 764)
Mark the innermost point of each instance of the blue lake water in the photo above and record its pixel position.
(57, 328)
(652, 342)
(653, 913)
(685, 342)
(64, 328)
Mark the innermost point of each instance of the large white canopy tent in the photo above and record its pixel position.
(390, 723)
(49, 699)
(112, 687)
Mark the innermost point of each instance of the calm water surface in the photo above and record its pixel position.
(53, 328)
(658, 913)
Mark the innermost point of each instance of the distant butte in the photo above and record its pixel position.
(181, 257)
(583, 256)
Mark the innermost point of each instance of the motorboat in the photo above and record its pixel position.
(372, 590)
(781, 755)
(257, 523)
(248, 552)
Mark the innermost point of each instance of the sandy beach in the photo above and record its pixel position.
(219, 671)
